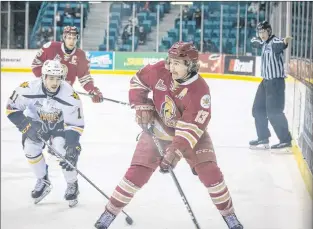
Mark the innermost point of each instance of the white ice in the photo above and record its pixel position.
(267, 189)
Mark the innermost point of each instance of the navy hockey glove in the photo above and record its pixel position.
(32, 129)
(72, 153)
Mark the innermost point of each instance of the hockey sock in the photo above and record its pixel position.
(133, 181)
(211, 176)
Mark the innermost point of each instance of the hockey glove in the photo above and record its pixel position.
(72, 153)
(170, 159)
(97, 95)
(144, 115)
(32, 129)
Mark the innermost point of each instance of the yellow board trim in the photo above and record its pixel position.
(304, 169)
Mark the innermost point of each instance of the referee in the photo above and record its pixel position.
(269, 100)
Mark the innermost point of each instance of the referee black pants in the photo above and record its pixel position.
(269, 104)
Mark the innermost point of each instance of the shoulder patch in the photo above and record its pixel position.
(25, 85)
(47, 45)
(205, 101)
(75, 95)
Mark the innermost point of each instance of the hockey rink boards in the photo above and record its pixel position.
(267, 189)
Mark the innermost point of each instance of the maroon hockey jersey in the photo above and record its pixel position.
(76, 63)
(183, 110)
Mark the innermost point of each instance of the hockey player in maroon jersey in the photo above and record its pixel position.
(179, 114)
(73, 59)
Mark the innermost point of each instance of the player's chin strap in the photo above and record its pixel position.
(107, 99)
(180, 190)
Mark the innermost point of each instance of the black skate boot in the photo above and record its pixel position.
(259, 144)
(105, 220)
(282, 146)
(71, 193)
(232, 222)
(42, 189)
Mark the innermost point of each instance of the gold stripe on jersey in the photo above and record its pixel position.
(85, 79)
(35, 160)
(189, 126)
(75, 128)
(8, 112)
(128, 187)
(188, 136)
(136, 83)
(161, 135)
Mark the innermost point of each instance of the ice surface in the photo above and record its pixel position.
(267, 189)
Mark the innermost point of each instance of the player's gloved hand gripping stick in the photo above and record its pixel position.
(129, 220)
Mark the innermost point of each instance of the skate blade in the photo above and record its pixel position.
(44, 194)
(72, 203)
(260, 147)
(282, 151)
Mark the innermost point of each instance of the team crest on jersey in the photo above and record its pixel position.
(75, 96)
(206, 101)
(168, 111)
(25, 85)
(50, 117)
(160, 85)
(182, 94)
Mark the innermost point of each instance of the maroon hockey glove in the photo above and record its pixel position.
(144, 115)
(97, 95)
(170, 159)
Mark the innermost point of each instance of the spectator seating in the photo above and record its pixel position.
(45, 19)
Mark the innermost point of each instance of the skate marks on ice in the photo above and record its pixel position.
(265, 187)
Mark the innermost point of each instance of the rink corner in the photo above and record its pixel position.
(304, 169)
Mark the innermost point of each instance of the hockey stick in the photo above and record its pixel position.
(180, 190)
(107, 99)
(129, 220)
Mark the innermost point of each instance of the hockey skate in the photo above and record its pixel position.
(232, 222)
(71, 194)
(259, 144)
(42, 189)
(105, 220)
(282, 147)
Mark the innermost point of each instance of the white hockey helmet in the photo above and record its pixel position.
(53, 68)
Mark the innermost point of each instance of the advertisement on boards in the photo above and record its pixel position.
(135, 61)
(211, 63)
(241, 65)
(100, 60)
(11, 58)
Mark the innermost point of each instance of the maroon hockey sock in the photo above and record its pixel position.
(211, 176)
(133, 181)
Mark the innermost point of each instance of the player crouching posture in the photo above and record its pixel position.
(52, 109)
(181, 112)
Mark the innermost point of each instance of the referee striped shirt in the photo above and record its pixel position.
(272, 64)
